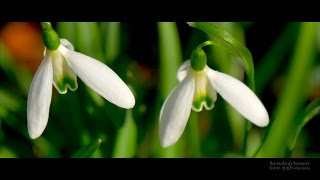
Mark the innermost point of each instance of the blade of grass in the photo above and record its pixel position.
(126, 140)
(67, 30)
(293, 95)
(89, 39)
(309, 112)
(170, 59)
(88, 150)
(112, 38)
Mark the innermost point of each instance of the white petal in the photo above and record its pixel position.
(175, 112)
(183, 70)
(239, 96)
(100, 78)
(67, 44)
(39, 99)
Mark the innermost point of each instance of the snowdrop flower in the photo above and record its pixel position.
(61, 66)
(198, 88)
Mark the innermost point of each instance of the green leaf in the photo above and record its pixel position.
(309, 112)
(89, 39)
(67, 30)
(170, 60)
(293, 94)
(170, 56)
(224, 39)
(126, 140)
(88, 150)
(111, 40)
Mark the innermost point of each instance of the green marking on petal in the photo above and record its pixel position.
(66, 82)
(204, 94)
(200, 101)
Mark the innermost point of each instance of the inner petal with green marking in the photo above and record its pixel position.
(204, 95)
(63, 77)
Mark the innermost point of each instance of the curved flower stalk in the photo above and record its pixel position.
(198, 88)
(61, 66)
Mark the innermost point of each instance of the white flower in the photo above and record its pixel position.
(61, 68)
(198, 89)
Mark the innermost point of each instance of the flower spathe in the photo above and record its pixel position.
(198, 89)
(61, 67)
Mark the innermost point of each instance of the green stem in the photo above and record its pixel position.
(45, 25)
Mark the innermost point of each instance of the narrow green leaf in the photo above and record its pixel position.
(309, 112)
(170, 56)
(67, 30)
(224, 39)
(89, 39)
(293, 95)
(88, 150)
(170, 60)
(126, 140)
(111, 40)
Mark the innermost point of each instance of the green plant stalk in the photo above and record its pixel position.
(170, 60)
(293, 95)
(126, 140)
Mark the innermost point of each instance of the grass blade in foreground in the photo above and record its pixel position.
(111, 40)
(311, 110)
(292, 97)
(170, 60)
(126, 140)
(88, 150)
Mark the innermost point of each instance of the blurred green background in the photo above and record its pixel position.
(146, 56)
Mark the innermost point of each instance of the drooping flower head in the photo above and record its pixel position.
(61, 66)
(198, 88)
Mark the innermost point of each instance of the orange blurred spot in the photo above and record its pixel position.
(24, 42)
